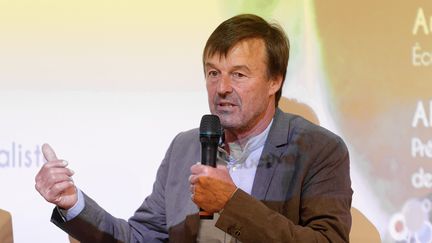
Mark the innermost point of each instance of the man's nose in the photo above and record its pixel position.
(224, 85)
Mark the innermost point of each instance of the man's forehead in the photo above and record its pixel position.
(244, 48)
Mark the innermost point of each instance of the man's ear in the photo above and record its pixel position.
(275, 84)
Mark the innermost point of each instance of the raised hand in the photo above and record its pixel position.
(54, 181)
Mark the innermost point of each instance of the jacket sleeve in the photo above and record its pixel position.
(324, 210)
(148, 224)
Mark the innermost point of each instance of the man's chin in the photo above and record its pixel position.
(228, 123)
(227, 109)
(228, 119)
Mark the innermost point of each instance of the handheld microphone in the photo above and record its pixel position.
(210, 133)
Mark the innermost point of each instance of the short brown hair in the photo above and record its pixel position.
(247, 26)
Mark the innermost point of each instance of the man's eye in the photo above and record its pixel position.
(212, 73)
(238, 75)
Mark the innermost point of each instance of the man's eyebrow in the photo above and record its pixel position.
(244, 67)
(236, 67)
(209, 65)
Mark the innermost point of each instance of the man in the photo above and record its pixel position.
(279, 179)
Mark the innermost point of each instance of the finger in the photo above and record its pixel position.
(56, 163)
(43, 186)
(47, 173)
(193, 179)
(49, 177)
(65, 171)
(54, 178)
(48, 152)
(197, 169)
(54, 193)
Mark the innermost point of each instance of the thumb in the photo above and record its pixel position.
(48, 152)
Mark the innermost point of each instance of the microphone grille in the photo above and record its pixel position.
(210, 125)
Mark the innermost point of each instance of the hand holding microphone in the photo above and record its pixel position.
(54, 181)
(211, 185)
(211, 188)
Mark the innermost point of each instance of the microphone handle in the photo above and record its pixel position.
(208, 157)
(208, 154)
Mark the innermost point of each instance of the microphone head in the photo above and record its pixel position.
(210, 126)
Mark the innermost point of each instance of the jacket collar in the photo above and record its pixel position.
(276, 143)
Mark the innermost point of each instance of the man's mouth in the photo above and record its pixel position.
(225, 105)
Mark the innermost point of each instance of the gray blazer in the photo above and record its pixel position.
(301, 193)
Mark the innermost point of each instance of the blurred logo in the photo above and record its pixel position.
(412, 224)
(18, 156)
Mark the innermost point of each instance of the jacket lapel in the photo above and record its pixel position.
(275, 145)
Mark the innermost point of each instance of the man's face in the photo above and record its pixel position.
(238, 86)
